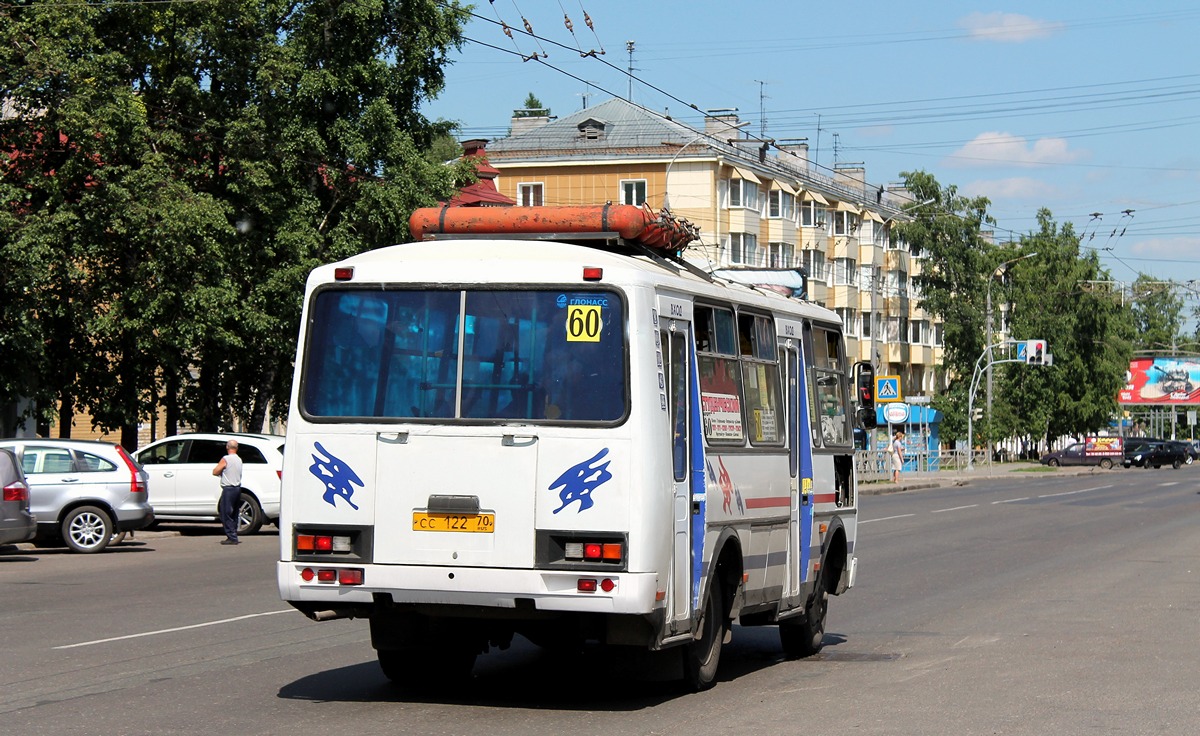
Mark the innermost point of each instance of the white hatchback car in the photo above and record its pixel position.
(180, 469)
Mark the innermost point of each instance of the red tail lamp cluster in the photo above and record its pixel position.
(338, 576)
(318, 543)
(613, 552)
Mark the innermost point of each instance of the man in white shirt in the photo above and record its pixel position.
(229, 469)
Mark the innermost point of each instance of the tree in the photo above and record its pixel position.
(1158, 316)
(946, 229)
(178, 169)
(533, 108)
(1087, 332)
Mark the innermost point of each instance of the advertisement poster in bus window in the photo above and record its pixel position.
(722, 416)
(1162, 381)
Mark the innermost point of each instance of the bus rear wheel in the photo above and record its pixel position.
(703, 655)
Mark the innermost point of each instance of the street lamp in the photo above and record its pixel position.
(998, 273)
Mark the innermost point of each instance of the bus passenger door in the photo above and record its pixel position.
(801, 471)
(678, 360)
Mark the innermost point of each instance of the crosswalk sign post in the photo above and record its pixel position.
(887, 389)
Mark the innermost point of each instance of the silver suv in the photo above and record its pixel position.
(83, 492)
(180, 469)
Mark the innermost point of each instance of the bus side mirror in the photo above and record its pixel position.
(864, 387)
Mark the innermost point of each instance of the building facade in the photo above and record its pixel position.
(759, 206)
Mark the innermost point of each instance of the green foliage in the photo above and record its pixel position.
(1089, 332)
(180, 169)
(1158, 316)
(532, 108)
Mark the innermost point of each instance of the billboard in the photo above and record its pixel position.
(1162, 381)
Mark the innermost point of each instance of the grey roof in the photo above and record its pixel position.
(625, 126)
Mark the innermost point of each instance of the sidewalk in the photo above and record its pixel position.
(941, 479)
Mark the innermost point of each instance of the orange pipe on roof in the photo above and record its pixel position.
(628, 221)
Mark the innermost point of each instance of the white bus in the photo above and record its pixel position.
(496, 432)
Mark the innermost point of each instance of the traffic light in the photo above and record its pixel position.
(1035, 352)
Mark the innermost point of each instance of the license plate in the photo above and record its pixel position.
(476, 523)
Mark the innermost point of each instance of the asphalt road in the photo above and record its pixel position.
(1032, 604)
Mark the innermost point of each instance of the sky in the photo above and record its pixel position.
(1088, 109)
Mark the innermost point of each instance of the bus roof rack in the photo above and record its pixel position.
(661, 232)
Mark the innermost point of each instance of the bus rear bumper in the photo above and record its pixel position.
(547, 590)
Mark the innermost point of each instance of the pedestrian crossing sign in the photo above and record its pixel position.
(887, 389)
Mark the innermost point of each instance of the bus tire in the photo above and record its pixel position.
(703, 655)
(804, 635)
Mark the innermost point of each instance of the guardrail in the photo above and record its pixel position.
(877, 464)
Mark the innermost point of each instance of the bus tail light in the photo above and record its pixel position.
(591, 585)
(597, 551)
(323, 543)
(342, 576)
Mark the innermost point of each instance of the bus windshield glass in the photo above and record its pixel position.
(510, 355)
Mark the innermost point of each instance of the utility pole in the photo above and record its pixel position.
(629, 48)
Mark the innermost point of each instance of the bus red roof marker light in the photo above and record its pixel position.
(343, 273)
(592, 273)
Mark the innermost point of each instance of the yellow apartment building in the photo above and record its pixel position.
(761, 208)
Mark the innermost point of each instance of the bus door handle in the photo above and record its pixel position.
(512, 440)
(393, 438)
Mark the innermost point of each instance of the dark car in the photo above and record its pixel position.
(1155, 454)
(1074, 454)
(17, 524)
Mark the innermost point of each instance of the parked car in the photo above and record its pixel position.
(1154, 454)
(17, 524)
(181, 466)
(82, 492)
(1075, 454)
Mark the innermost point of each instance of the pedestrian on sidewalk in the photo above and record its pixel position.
(229, 469)
(897, 451)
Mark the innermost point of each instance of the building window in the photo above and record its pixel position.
(918, 331)
(814, 214)
(633, 191)
(866, 277)
(845, 223)
(939, 334)
(849, 319)
(743, 249)
(781, 205)
(743, 193)
(781, 255)
(813, 262)
(844, 272)
(529, 195)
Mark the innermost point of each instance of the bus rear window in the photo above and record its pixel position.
(507, 355)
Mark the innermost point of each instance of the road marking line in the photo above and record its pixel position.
(171, 631)
(1072, 493)
(886, 518)
(956, 508)
(1169, 483)
(1011, 500)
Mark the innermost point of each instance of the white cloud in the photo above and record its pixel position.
(1007, 27)
(1018, 187)
(1187, 249)
(1005, 149)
